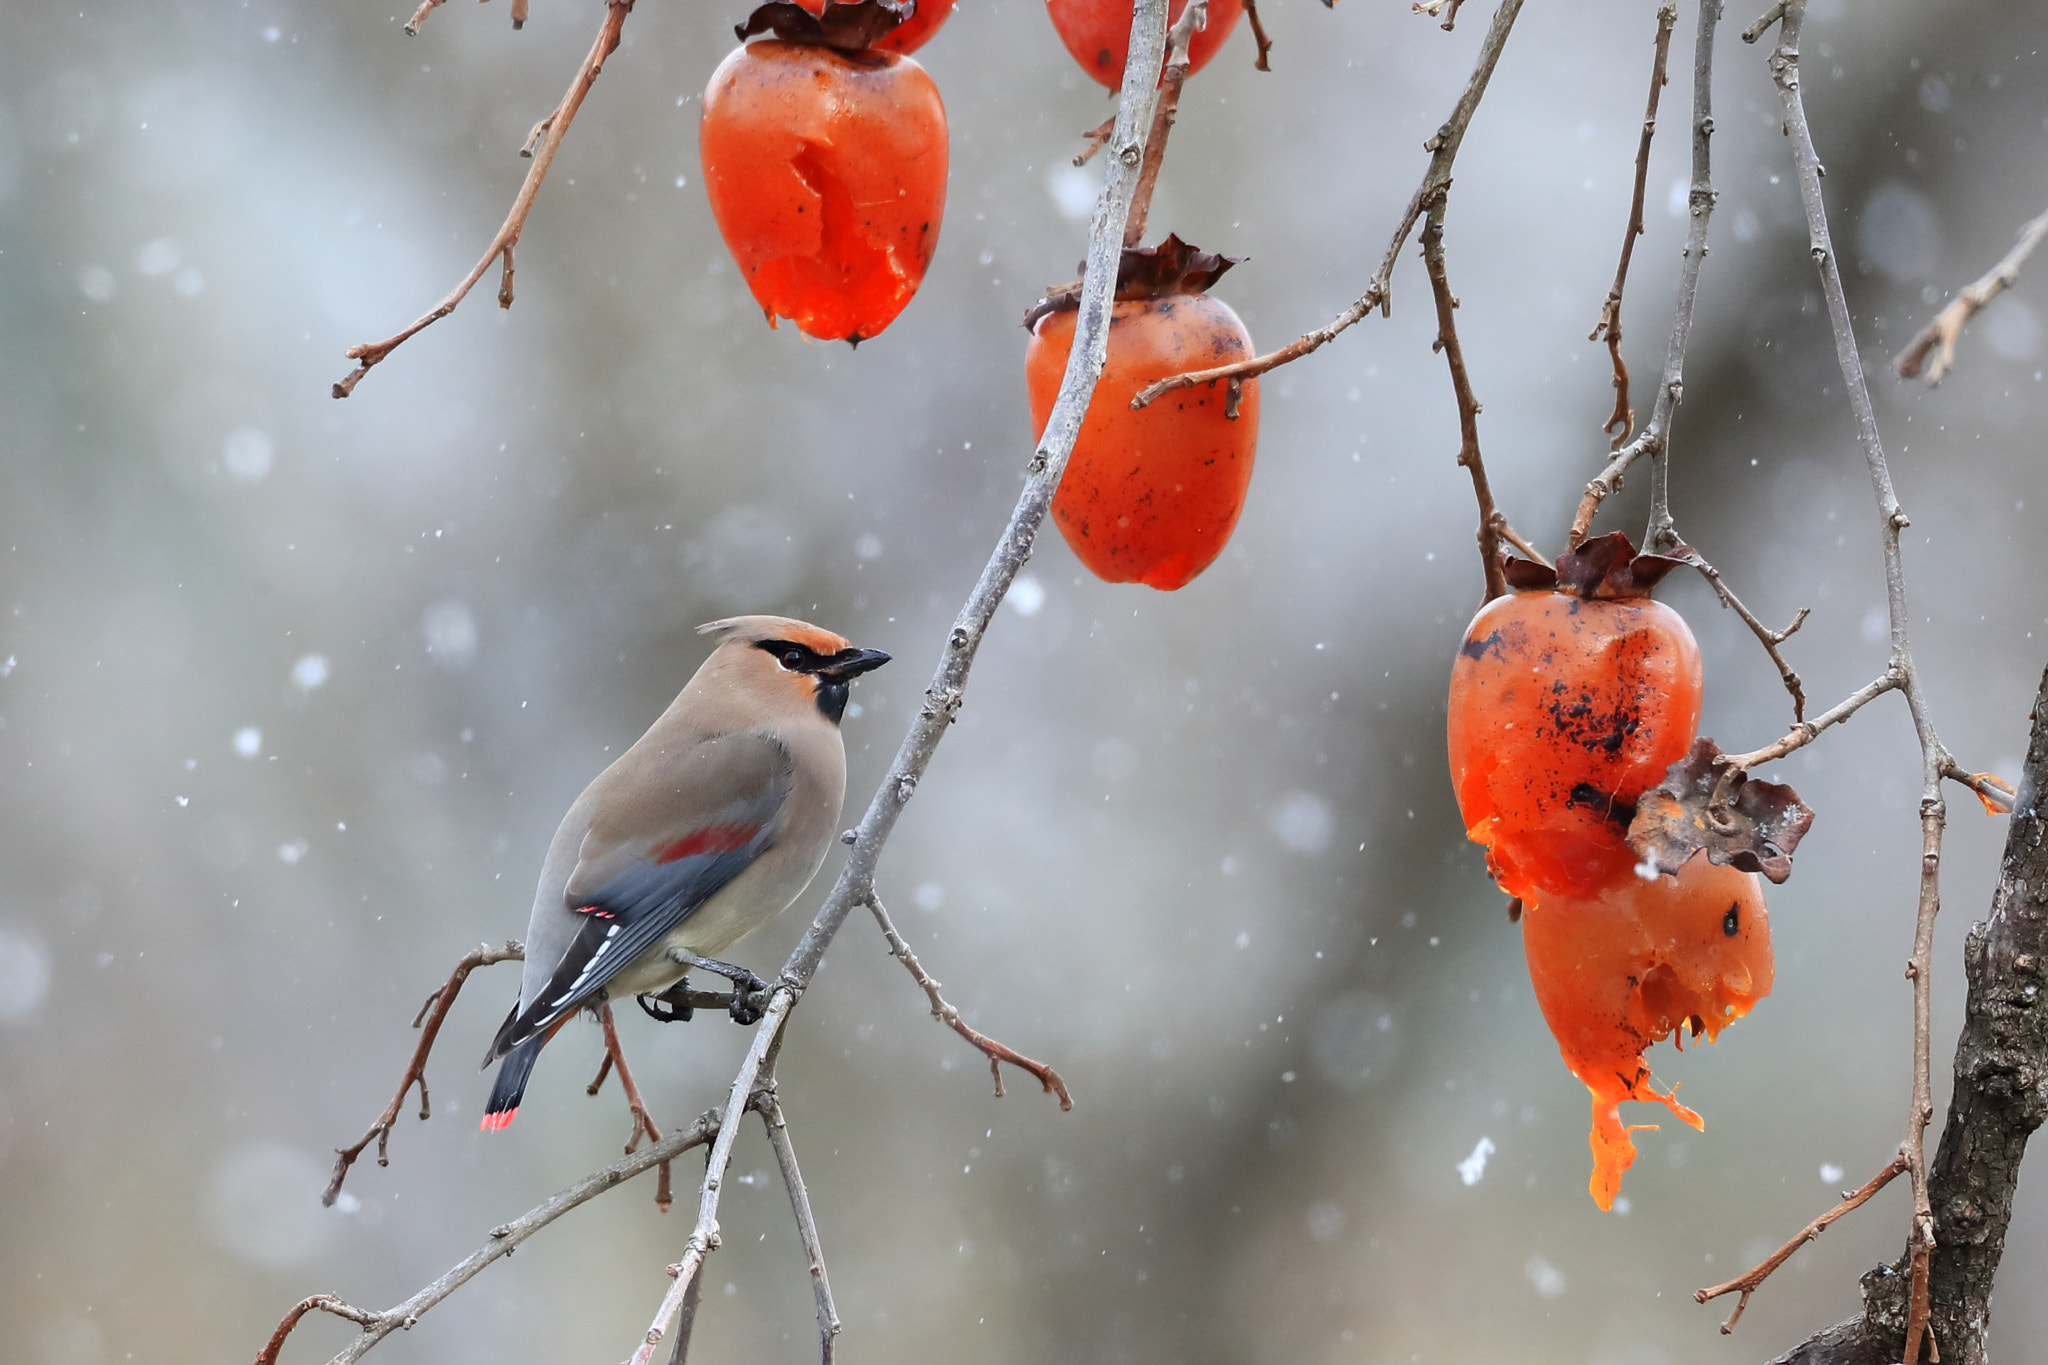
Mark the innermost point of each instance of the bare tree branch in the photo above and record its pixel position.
(1608, 328)
(1655, 438)
(433, 1012)
(504, 1240)
(768, 1104)
(1784, 66)
(1443, 150)
(947, 1014)
(643, 1122)
(1469, 458)
(372, 353)
(1940, 335)
(1195, 16)
(1745, 1284)
(1768, 638)
(1265, 44)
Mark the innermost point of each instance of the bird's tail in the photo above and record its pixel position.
(511, 1083)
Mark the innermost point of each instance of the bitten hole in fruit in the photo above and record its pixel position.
(849, 276)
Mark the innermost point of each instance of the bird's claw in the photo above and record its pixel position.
(672, 1006)
(749, 1000)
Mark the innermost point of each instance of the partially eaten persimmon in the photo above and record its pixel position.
(1569, 699)
(825, 165)
(1636, 962)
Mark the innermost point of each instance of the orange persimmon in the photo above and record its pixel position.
(1098, 33)
(1629, 965)
(1567, 702)
(826, 170)
(914, 32)
(1151, 496)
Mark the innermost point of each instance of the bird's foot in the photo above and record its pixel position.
(672, 1006)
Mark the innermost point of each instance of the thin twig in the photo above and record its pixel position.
(432, 1012)
(369, 354)
(419, 16)
(643, 1122)
(1655, 438)
(1994, 791)
(1432, 8)
(1096, 138)
(1469, 458)
(1805, 732)
(1195, 16)
(1784, 66)
(507, 1238)
(325, 1303)
(1768, 638)
(1608, 328)
(1251, 12)
(1443, 150)
(947, 1014)
(768, 1104)
(1948, 324)
(1745, 1284)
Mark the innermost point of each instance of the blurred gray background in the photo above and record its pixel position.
(293, 691)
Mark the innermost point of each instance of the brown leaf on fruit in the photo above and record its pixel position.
(1144, 272)
(843, 25)
(1755, 826)
(1604, 567)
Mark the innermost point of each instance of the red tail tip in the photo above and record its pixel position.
(493, 1122)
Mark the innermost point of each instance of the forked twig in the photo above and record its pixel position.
(643, 1122)
(372, 353)
(1768, 638)
(432, 1012)
(1608, 328)
(768, 1104)
(1940, 335)
(1745, 1284)
(1443, 150)
(1655, 438)
(949, 1015)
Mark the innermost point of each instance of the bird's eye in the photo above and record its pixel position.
(791, 658)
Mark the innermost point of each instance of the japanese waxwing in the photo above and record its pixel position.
(707, 828)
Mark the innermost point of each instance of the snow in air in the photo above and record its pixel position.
(1027, 595)
(24, 974)
(1302, 822)
(1547, 1278)
(248, 741)
(1830, 1173)
(309, 672)
(247, 455)
(1473, 1167)
(450, 630)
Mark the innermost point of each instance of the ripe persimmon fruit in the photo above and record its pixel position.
(1098, 33)
(825, 163)
(1633, 963)
(914, 32)
(1569, 698)
(1151, 496)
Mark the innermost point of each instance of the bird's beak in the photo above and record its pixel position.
(849, 664)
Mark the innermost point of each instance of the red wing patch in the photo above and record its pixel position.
(711, 839)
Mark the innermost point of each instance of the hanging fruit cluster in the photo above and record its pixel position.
(1151, 495)
(824, 151)
(1570, 699)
